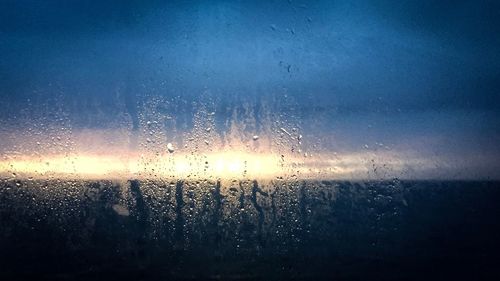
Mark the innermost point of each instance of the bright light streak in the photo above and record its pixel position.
(221, 165)
(216, 165)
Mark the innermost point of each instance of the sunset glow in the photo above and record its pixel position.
(222, 165)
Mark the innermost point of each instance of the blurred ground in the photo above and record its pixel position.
(304, 230)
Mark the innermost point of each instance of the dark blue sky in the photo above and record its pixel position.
(421, 75)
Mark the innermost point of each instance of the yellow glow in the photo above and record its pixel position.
(215, 165)
(221, 165)
(182, 168)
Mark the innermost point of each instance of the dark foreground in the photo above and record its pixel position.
(391, 230)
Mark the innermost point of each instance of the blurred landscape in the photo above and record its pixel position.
(243, 230)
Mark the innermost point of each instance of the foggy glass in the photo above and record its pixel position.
(242, 128)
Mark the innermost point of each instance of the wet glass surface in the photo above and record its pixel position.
(249, 140)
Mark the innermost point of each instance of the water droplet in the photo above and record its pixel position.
(285, 131)
(170, 147)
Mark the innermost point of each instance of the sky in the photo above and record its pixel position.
(418, 79)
